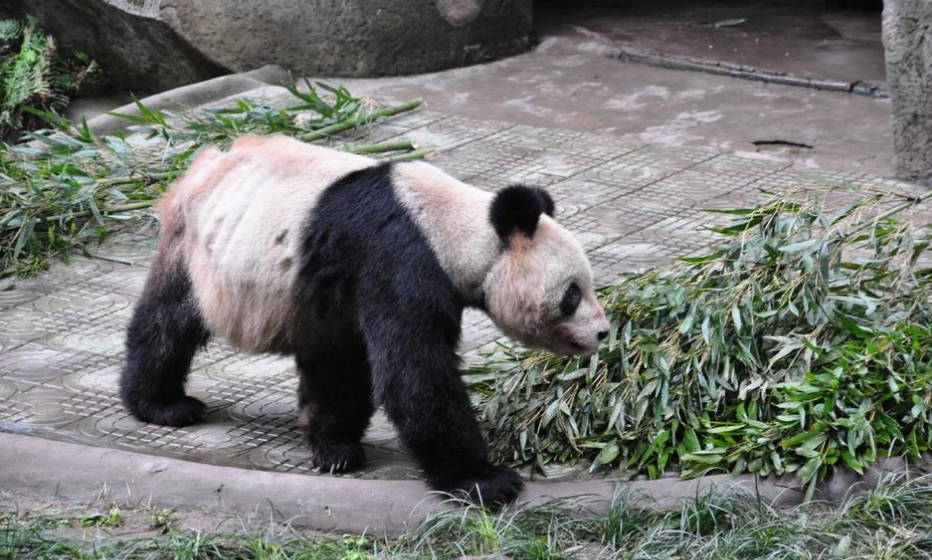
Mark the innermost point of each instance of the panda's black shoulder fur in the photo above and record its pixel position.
(360, 242)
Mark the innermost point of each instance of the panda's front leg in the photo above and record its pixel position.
(335, 398)
(416, 378)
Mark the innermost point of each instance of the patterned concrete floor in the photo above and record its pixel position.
(61, 334)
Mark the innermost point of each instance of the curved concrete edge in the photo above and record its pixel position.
(59, 471)
(270, 74)
(80, 474)
(193, 95)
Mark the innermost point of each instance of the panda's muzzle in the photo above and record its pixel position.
(568, 342)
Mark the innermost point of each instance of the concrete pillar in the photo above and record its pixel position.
(907, 38)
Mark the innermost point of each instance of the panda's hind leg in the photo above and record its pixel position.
(335, 401)
(165, 332)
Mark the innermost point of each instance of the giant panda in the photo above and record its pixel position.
(360, 270)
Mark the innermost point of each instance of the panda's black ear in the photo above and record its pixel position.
(519, 207)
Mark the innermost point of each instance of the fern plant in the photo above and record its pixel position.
(35, 74)
(9, 30)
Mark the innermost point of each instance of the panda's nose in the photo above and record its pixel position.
(602, 335)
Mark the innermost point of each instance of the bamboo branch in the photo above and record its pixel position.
(116, 209)
(362, 119)
(150, 177)
(908, 203)
(129, 207)
(417, 154)
(393, 146)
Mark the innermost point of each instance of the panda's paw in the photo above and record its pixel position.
(336, 458)
(496, 487)
(178, 413)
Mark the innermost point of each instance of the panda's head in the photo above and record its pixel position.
(540, 290)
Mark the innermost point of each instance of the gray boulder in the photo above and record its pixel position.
(152, 45)
(128, 39)
(907, 37)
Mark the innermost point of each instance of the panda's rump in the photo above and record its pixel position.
(244, 225)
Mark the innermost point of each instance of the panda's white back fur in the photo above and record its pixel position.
(244, 212)
(235, 206)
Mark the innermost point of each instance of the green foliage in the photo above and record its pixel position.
(69, 187)
(801, 343)
(892, 521)
(35, 73)
(10, 29)
(109, 519)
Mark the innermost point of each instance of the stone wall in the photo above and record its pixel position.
(907, 36)
(152, 45)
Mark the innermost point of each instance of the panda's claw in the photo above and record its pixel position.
(501, 486)
(496, 487)
(338, 458)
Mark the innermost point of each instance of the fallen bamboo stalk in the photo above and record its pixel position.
(362, 119)
(116, 209)
(129, 207)
(149, 177)
(392, 146)
(417, 154)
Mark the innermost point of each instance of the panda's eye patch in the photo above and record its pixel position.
(571, 299)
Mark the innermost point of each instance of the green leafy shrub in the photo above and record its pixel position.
(801, 343)
(34, 73)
